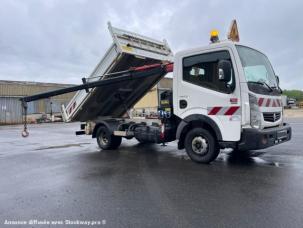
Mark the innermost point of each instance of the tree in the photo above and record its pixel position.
(297, 94)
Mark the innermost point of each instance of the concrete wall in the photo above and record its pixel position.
(151, 99)
(148, 105)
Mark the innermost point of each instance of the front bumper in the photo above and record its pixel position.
(254, 139)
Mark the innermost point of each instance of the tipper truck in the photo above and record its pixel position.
(225, 95)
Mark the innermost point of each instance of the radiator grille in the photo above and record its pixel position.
(271, 116)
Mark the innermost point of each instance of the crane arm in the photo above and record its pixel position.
(133, 72)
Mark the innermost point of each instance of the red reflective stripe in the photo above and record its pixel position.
(169, 67)
(278, 102)
(214, 110)
(162, 133)
(233, 100)
(268, 102)
(274, 103)
(260, 102)
(231, 110)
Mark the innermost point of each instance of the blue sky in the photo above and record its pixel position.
(62, 41)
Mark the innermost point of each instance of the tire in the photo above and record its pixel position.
(107, 141)
(201, 146)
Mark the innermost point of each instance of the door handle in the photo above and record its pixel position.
(182, 104)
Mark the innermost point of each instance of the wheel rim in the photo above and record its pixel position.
(199, 145)
(103, 138)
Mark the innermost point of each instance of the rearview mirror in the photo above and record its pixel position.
(224, 70)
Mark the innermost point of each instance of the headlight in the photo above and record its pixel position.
(255, 115)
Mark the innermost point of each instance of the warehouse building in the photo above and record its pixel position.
(12, 91)
(10, 106)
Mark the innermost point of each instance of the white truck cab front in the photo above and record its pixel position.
(233, 90)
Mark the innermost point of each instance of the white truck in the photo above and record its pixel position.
(225, 95)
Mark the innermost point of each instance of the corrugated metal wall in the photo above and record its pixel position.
(10, 110)
(11, 91)
(15, 88)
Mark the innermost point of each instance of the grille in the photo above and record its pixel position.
(271, 116)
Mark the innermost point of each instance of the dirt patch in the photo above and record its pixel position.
(294, 113)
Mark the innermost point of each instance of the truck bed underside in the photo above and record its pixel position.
(115, 98)
(127, 61)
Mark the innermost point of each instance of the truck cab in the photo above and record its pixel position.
(231, 90)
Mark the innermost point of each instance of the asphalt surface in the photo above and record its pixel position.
(54, 175)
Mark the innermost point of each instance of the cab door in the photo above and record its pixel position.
(200, 91)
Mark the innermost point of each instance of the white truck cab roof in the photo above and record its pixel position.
(210, 46)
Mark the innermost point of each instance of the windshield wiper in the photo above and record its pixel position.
(262, 83)
(278, 88)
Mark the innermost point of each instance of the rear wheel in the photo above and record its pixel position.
(201, 146)
(106, 140)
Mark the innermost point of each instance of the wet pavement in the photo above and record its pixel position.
(54, 175)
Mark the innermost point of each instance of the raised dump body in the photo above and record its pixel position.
(127, 50)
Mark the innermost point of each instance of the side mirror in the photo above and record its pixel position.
(224, 70)
(278, 80)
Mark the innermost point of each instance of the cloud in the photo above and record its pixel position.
(62, 41)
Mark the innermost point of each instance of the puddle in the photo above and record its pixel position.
(62, 146)
(247, 159)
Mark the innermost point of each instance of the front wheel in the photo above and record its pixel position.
(201, 146)
(106, 140)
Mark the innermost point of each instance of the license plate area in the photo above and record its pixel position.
(282, 134)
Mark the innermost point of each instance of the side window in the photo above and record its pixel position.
(201, 70)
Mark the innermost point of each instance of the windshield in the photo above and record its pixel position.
(257, 67)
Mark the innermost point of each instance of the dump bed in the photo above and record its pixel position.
(127, 50)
